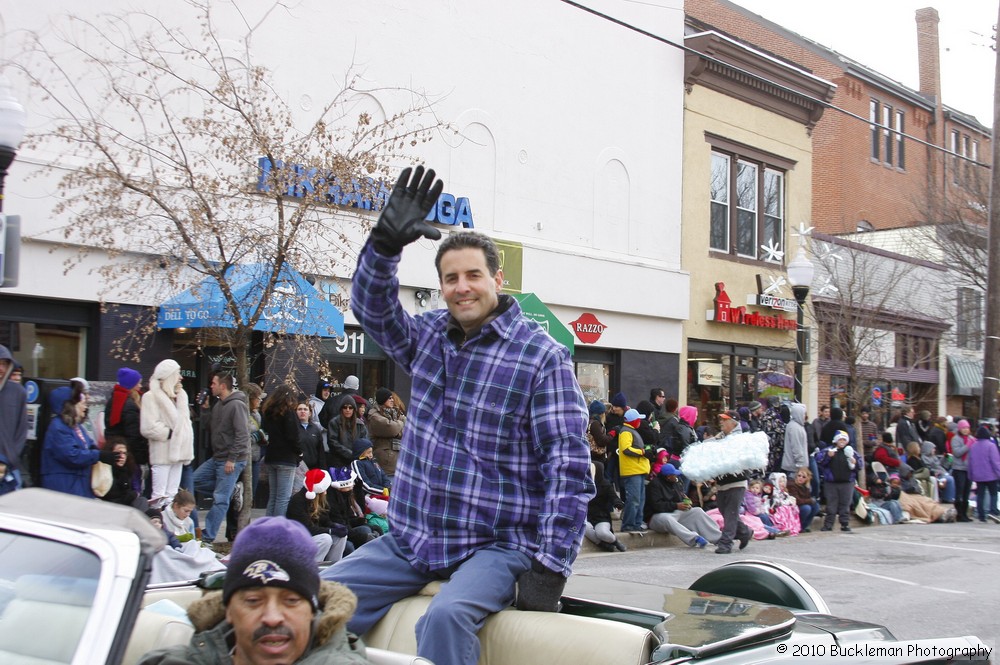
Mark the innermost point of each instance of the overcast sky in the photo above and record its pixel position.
(882, 35)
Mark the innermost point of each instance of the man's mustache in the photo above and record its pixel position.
(272, 631)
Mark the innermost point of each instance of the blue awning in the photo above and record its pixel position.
(295, 308)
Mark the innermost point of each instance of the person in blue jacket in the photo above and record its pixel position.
(68, 451)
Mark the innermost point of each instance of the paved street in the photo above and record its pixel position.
(918, 580)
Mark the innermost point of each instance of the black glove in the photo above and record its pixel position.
(108, 457)
(402, 219)
(338, 530)
(540, 589)
(619, 505)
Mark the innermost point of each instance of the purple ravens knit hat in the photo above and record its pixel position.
(273, 552)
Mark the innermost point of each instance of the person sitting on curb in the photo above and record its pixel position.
(597, 528)
(668, 510)
(272, 607)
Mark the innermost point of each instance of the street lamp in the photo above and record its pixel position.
(12, 128)
(800, 276)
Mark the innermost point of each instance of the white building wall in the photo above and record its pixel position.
(570, 135)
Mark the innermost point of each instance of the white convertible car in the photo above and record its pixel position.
(73, 590)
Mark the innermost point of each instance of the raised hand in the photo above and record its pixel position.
(402, 219)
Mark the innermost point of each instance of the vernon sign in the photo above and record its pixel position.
(363, 194)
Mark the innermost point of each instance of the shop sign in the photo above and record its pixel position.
(772, 302)
(709, 374)
(587, 328)
(363, 194)
(724, 312)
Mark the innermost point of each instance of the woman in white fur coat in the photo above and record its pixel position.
(165, 420)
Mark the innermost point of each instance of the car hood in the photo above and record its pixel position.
(700, 624)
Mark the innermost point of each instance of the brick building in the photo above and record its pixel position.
(892, 167)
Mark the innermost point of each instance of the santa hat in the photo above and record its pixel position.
(317, 481)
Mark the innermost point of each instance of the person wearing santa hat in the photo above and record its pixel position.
(633, 469)
(310, 508)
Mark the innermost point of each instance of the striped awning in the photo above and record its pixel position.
(965, 376)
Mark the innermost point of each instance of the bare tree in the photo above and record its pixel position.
(179, 160)
(875, 316)
(186, 161)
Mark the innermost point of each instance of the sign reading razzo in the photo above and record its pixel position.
(363, 193)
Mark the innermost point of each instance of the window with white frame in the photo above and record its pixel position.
(887, 127)
(747, 192)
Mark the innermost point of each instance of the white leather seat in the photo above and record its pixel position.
(513, 637)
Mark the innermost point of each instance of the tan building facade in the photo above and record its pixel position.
(747, 188)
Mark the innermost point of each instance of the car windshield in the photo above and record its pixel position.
(47, 591)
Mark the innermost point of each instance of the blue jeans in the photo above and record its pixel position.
(635, 501)
(946, 493)
(379, 574)
(187, 483)
(984, 491)
(807, 512)
(280, 478)
(211, 478)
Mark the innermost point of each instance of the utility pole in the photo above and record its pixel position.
(991, 359)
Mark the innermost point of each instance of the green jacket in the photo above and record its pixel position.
(213, 641)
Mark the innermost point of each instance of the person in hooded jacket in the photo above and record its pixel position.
(121, 418)
(343, 430)
(796, 453)
(165, 421)
(984, 471)
(839, 464)
(272, 608)
(284, 452)
(960, 444)
(13, 416)
(385, 425)
(68, 451)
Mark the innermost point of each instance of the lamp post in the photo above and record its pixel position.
(12, 128)
(800, 276)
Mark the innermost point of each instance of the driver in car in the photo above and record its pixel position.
(272, 609)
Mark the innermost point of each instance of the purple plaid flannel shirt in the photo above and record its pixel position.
(493, 450)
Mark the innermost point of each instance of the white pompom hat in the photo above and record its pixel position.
(317, 481)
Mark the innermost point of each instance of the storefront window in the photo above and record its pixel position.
(718, 381)
(775, 378)
(595, 380)
(708, 385)
(49, 351)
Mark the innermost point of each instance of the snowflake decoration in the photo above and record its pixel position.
(773, 253)
(803, 232)
(827, 287)
(775, 284)
(827, 252)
